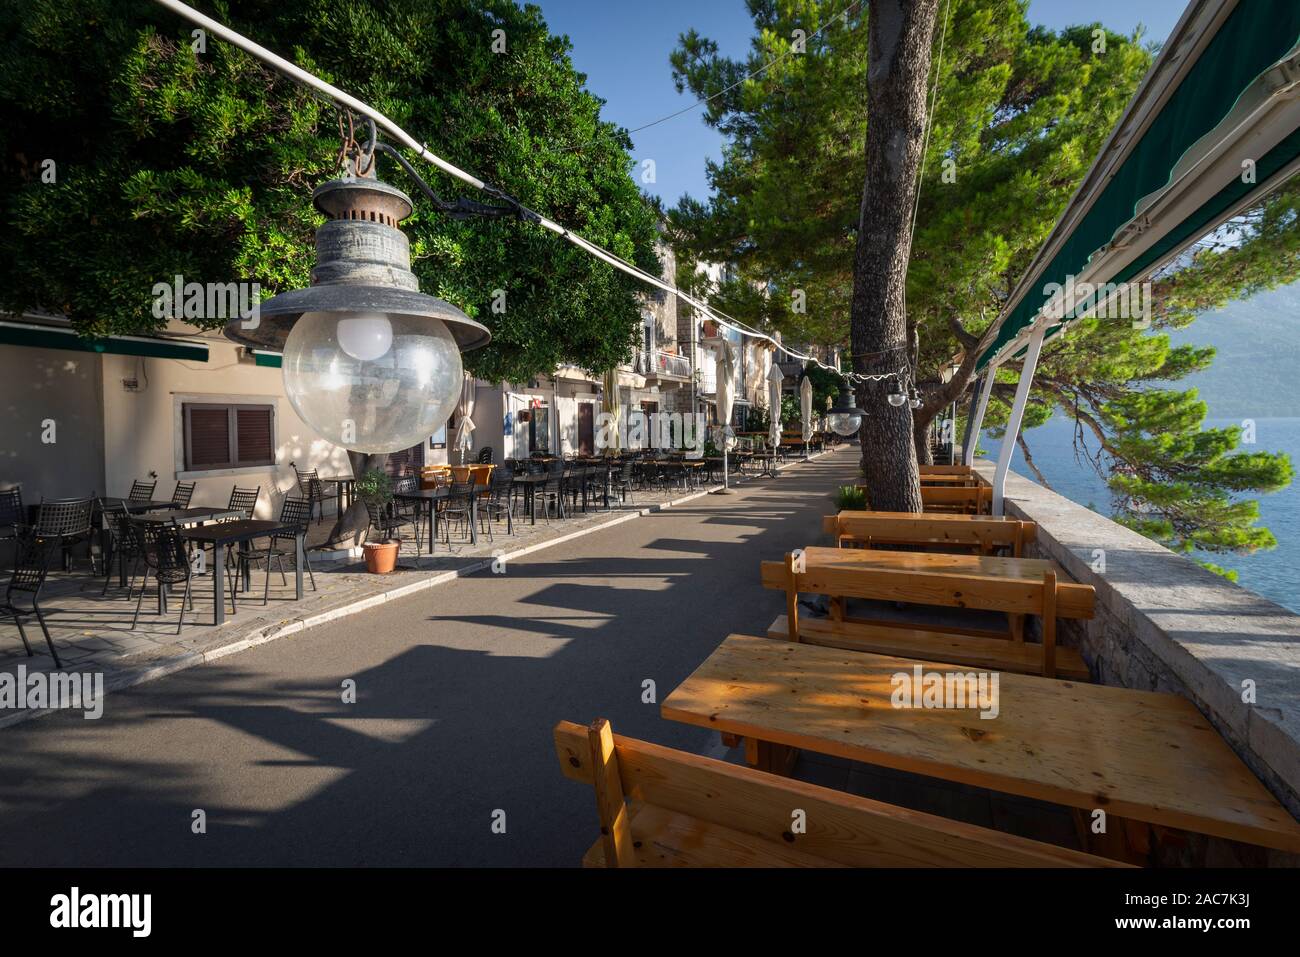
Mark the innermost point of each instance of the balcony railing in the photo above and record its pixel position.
(663, 364)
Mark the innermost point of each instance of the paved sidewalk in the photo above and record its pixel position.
(93, 634)
(457, 689)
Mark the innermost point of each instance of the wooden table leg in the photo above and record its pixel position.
(772, 758)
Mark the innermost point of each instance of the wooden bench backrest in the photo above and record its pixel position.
(984, 592)
(947, 470)
(977, 499)
(984, 533)
(841, 829)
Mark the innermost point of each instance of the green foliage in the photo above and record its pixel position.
(1021, 113)
(826, 386)
(850, 498)
(171, 162)
(757, 419)
(375, 488)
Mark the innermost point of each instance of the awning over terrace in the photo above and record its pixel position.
(57, 333)
(1214, 127)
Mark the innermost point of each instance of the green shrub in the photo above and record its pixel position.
(850, 498)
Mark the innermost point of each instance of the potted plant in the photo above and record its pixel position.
(375, 489)
(851, 498)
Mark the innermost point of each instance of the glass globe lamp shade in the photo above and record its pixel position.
(845, 425)
(897, 399)
(369, 381)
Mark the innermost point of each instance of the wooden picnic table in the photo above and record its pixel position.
(1136, 754)
(984, 532)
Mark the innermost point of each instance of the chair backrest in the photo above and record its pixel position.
(119, 525)
(11, 506)
(142, 491)
(691, 810)
(31, 563)
(295, 513)
(244, 499)
(165, 550)
(309, 482)
(984, 533)
(64, 517)
(485, 455)
(462, 489)
(184, 492)
(408, 483)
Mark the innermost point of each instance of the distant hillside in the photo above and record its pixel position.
(1256, 372)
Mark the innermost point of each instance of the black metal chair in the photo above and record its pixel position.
(485, 455)
(184, 492)
(622, 481)
(31, 565)
(388, 522)
(67, 520)
(499, 500)
(313, 490)
(125, 545)
(406, 508)
(244, 500)
(12, 515)
(142, 492)
(295, 515)
(167, 557)
(457, 506)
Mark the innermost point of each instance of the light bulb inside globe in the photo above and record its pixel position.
(896, 399)
(387, 403)
(365, 335)
(845, 425)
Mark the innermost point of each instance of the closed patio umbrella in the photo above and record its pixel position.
(609, 405)
(726, 397)
(464, 439)
(805, 411)
(774, 379)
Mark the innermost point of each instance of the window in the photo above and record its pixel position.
(228, 436)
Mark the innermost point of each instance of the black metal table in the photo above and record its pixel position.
(223, 534)
(344, 485)
(530, 481)
(429, 498)
(189, 516)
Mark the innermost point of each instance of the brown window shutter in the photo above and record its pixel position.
(254, 435)
(209, 437)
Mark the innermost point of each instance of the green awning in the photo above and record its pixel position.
(1254, 37)
(38, 336)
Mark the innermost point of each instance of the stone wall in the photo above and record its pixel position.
(1164, 623)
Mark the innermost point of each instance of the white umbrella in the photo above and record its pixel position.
(774, 379)
(610, 406)
(464, 439)
(805, 410)
(726, 395)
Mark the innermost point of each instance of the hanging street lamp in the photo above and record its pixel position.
(844, 417)
(369, 362)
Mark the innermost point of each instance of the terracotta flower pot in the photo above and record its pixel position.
(381, 557)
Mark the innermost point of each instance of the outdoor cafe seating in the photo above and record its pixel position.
(828, 684)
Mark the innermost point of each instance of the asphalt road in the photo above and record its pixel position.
(457, 689)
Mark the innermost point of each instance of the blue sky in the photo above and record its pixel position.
(623, 47)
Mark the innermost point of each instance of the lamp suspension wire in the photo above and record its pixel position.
(347, 101)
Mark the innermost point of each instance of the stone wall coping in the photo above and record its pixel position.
(1211, 634)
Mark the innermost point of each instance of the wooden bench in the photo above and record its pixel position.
(961, 499)
(977, 533)
(692, 811)
(954, 581)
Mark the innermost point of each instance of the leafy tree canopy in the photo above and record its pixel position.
(1020, 113)
(171, 161)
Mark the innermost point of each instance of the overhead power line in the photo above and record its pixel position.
(387, 125)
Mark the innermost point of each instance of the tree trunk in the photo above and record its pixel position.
(352, 524)
(899, 65)
(922, 432)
